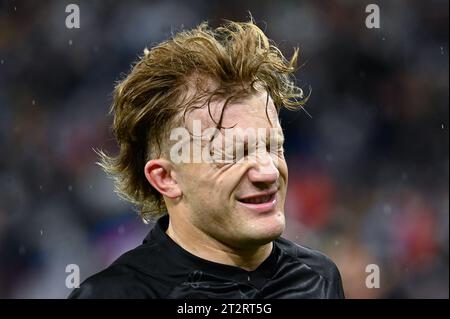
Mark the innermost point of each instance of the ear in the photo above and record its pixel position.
(160, 174)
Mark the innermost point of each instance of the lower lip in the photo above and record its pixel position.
(264, 207)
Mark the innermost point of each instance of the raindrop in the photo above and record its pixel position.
(69, 188)
(442, 125)
(2, 61)
(42, 232)
(336, 242)
(70, 42)
(33, 102)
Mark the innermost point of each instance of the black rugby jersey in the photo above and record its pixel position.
(160, 268)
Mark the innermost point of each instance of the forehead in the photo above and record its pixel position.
(255, 111)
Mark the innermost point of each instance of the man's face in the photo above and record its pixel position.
(240, 204)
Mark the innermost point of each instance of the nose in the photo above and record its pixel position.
(264, 170)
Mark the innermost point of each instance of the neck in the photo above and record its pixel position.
(204, 246)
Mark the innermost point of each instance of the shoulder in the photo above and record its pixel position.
(113, 282)
(127, 277)
(314, 260)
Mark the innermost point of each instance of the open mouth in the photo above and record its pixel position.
(261, 199)
(260, 203)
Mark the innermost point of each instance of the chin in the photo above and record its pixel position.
(266, 230)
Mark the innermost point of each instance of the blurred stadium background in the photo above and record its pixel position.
(368, 172)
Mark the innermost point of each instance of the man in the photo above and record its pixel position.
(218, 193)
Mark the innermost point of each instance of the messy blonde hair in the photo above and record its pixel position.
(148, 102)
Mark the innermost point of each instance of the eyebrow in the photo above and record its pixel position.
(278, 137)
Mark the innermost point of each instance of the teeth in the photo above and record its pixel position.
(257, 200)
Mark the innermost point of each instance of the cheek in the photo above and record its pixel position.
(191, 179)
(202, 181)
(211, 185)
